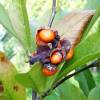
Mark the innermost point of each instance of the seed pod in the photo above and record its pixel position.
(41, 54)
(44, 36)
(70, 54)
(44, 48)
(65, 46)
(56, 57)
(56, 40)
(38, 41)
(49, 70)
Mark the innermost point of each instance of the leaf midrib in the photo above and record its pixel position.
(26, 23)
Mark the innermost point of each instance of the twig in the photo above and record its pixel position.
(53, 13)
(66, 78)
(34, 95)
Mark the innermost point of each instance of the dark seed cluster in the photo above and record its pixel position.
(51, 50)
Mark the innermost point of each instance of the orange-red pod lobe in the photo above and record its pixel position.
(70, 54)
(48, 72)
(56, 58)
(46, 35)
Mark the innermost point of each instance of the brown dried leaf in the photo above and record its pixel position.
(73, 25)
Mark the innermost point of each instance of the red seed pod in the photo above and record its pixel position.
(38, 41)
(45, 36)
(70, 54)
(56, 57)
(49, 71)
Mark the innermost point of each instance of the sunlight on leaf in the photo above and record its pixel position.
(19, 18)
(5, 20)
(15, 20)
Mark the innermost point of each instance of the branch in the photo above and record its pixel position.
(53, 13)
(67, 77)
(34, 95)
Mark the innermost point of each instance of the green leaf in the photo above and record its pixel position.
(86, 51)
(55, 95)
(97, 77)
(92, 5)
(86, 81)
(67, 91)
(36, 80)
(95, 93)
(16, 15)
(5, 20)
(85, 78)
(11, 89)
(93, 20)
